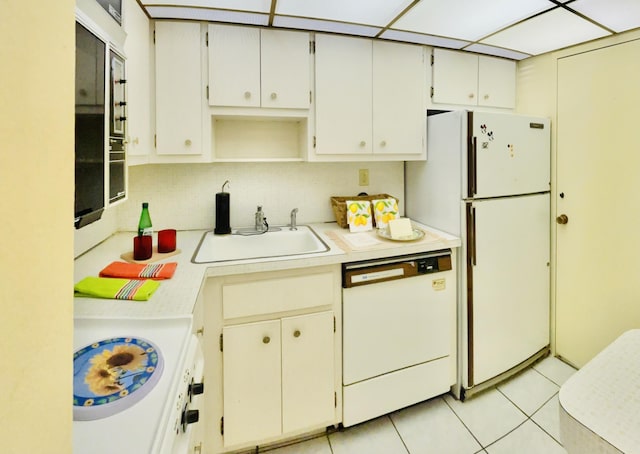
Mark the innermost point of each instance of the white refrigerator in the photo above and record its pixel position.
(487, 180)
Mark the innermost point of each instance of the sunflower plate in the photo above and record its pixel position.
(113, 374)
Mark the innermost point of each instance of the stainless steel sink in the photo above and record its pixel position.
(278, 243)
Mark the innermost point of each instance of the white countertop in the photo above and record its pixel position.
(603, 398)
(177, 296)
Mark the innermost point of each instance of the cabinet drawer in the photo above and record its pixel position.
(277, 295)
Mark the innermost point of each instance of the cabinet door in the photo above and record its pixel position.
(307, 371)
(455, 77)
(178, 88)
(285, 69)
(137, 48)
(234, 66)
(399, 111)
(496, 82)
(251, 382)
(343, 95)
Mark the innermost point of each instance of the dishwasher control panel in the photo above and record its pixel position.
(429, 265)
(374, 271)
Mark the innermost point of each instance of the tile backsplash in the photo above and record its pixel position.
(182, 196)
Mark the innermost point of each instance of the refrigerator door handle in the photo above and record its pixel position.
(473, 167)
(472, 235)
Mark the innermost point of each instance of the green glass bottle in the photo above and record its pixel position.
(144, 226)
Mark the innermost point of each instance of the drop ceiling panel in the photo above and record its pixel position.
(367, 12)
(496, 51)
(467, 19)
(325, 26)
(618, 15)
(234, 17)
(429, 40)
(553, 30)
(260, 6)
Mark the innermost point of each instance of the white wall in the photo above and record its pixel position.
(36, 182)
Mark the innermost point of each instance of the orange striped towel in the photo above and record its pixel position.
(126, 270)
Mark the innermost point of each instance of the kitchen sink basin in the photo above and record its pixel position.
(243, 244)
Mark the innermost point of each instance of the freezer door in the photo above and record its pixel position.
(507, 155)
(508, 283)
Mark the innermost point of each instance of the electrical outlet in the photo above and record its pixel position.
(363, 177)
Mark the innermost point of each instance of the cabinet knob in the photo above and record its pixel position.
(274, 95)
(247, 94)
(471, 95)
(562, 219)
(486, 96)
(383, 143)
(266, 339)
(296, 333)
(187, 142)
(362, 143)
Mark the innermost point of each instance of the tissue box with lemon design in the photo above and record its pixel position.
(359, 215)
(385, 210)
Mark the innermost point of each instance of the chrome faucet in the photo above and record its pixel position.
(293, 220)
(261, 220)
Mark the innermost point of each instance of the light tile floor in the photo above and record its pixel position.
(519, 415)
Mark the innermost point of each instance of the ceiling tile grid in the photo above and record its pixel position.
(514, 29)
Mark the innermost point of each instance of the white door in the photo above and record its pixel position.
(307, 371)
(178, 88)
(510, 280)
(251, 382)
(285, 69)
(234, 66)
(399, 110)
(512, 155)
(597, 281)
(343, 95)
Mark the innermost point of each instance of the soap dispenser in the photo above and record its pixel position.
(222, 212)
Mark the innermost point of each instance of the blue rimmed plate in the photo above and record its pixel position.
(113, 374)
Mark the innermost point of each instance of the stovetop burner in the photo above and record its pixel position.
(113, 374)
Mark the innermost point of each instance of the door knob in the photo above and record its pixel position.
(562, 219)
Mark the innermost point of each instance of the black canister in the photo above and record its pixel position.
(222, 212)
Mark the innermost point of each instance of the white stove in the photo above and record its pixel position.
(162, 420)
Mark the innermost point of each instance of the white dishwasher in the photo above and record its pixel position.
(399, 339)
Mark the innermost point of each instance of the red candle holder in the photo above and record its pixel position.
(166, 240)
(142, 247)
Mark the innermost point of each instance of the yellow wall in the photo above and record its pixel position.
(36, 233)
(537, 94)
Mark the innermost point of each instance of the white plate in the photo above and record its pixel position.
(417, 234)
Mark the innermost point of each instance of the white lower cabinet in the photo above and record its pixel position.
(278, 376)
(252, 382)
(273, 350)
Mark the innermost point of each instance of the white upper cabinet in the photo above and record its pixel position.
(473, 80)
(179, 95)
(496, 82)
(137, 48)
(370, 100)
(343, 95)
(249, 67)
(399, 87)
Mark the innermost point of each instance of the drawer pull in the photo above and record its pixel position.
(266, 339)
(296, 333)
